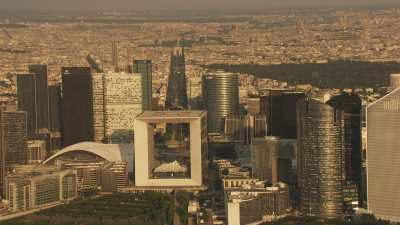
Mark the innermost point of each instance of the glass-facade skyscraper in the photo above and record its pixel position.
(144, 68)
(329, 154)
(77, 105)
(320, 159)
(221, 98)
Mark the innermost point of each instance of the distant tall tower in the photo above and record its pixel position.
(280, 108)
(320, 159)
(98, 107)
(350, 106)
(114, 110)
(176, 93)
(55, 115)
(13, 142)
(329, 155)
(383, 157)
(114, 55)
(121, 107)
(33, 97)
(77, 105)
(144, 68)
(42, 96)
(26, 92)
(221, 98)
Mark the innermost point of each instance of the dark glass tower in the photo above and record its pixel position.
(221, 98)
(55, 107)
(77, 105)
(42, 97)
(350, 105)
(26, 95)
(176, 92)
(55, 117)
(320, 159)
(280, 108)
(144, 67)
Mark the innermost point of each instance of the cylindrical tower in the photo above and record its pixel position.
(221, 98)
(320, 158)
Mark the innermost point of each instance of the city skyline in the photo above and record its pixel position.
(182, 4)
(200, 117)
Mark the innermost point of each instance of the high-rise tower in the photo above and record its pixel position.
(329, 155)
(176, 93)
(77, 105)
(13, 141)
(350, 105)
(221, 98)
(320, 159)
(26, 92)
(117, 100)
(42, 97)
(383, 157)
(114, 55)
(144, 68)
(280, 108)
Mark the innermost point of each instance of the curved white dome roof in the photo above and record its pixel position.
(109, 152)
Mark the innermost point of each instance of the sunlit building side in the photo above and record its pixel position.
(383, 157)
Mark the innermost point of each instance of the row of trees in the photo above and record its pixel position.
(153, 208)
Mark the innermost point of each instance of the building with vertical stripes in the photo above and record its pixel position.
(383, 157)
(221, 98)
(42, 97)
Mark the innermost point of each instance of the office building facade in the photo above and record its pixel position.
(13, 142)
(77, 105)
(26, 96)
(221, 98)
(36, 151)
(350, 106)
(117, 100)
(30, 188)
(15, 137)
(279, 106)
(383, 157)
(273, 159)
(55, 108)
(320, 159)
(145, 69)
(250, 204)
(98, 107)
(122, 103)
(243, 129)
(114, 176)
(42, 97)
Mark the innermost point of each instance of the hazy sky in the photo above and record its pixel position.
(177, 4)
